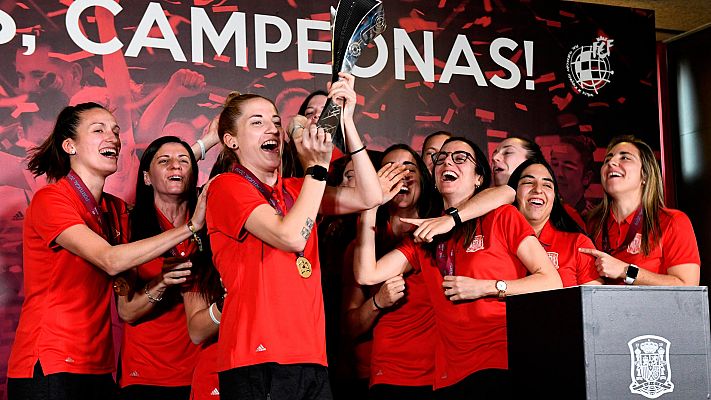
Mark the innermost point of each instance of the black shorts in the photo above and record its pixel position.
(394, 392)
(149, 392)
(276, 382)
(485, 384)
(62, 386)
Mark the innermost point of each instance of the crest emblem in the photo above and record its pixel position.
(635, 245)
(476, 244)
(649, 366)
(554, 258)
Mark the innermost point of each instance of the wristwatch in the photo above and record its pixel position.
(501, 286)
(455, 214)
(631, 274)
(317, 172)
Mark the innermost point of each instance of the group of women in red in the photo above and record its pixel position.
(220, 288)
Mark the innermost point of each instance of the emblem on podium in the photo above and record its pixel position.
(650, 368)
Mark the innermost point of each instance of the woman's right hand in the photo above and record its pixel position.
(198, 218)
(390, 292)
(176, 270)
(392, 178)
(314, 146)
(428, 228)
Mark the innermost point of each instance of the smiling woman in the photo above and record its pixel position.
(73, 242)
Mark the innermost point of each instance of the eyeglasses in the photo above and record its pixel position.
(458, 157)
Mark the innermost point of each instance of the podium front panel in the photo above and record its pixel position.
(611, 342)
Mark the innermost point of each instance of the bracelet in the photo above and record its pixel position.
(357, 151)
(152, 299)
(202, 149)
(376, 304)
(212, 315)
(192, 229)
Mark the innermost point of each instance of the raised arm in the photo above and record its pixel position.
(292, 231)
(487, 200)
(85, 243)
(365, 195)
(209, 139)
(367, 270)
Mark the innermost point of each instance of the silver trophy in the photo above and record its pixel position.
(354, 24)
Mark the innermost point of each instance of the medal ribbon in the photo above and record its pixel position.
(266, 191)
(445, 258)
(633, 230)
(90, 204)
(166, 225)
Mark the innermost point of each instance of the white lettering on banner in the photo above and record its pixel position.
(422, 56)
(155, 15)
(200, 23)
(8, 30)
(424, 64)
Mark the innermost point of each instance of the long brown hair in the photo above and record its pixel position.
(652, 195)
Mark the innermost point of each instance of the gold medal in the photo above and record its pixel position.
(304, 267)
(121, 286)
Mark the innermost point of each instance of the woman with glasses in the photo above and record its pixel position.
(642, 241)
(467, 273)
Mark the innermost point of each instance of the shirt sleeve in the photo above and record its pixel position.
(679, 242)
(585, 265)
(51, 213)
(410, 250)
(230, 201)
(513, 226)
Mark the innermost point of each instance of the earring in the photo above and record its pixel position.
(234, 145)
(73, 152)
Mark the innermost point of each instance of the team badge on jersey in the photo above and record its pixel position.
(635, 245)
(554, 258)
(476, 244)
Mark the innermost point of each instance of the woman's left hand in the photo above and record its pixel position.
(465, 288)
(607, 265)
(342, 90)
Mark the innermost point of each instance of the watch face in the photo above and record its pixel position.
(500, 285)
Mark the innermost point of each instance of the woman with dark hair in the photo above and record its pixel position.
(155, 334)
(272, 340)
(538, 199)
(73, 244)
(432, 143)
(642, 241)
(467, 273)
(398, 311)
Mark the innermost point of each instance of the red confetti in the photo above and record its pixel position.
(360, 99)
(24, 108)
(467, 25)
(448, 116)
(521, 107)
(455, 100)
(22, 5)
(383, 107)
(99, 72)
(218, 9)
(201, 3)
(321, 17)
(496, 133)
(410, 68)
(484, 115)
(516, 56)
(598, 104)
(258, 85)
(442, 3)
(428, 118)
(66, 2)
(566, 120)
(70, 58)
(562, 102)
(483, 21)
(53, 14)
(295, 75)
(646, 83)
(412, 85)
(222, 58)
(556, 87)
(621, 100)
(480, 43)
(491, 74)
(90, 19)
(439, 63)
(549, 77)
(487, 6)
(428, 84)
(585, 128)
(270, 75)
(416, 23)
(566, 14)
(371, 115)
(292, 3)
(216, 98)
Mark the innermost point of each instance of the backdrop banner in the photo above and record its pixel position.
(569, 75)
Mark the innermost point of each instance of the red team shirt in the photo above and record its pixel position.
(157, 350)
(66, 319)
(471, 336)
(275, 314)
(573, 267)
(676, 246)
(205, 383)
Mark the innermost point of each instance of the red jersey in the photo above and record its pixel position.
(205, 385)
(157, 350)
(65, 321)
(573, 267)
(471, 336)
(278, 316)
(676, 246)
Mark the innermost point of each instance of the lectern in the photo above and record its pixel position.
(610, 342)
